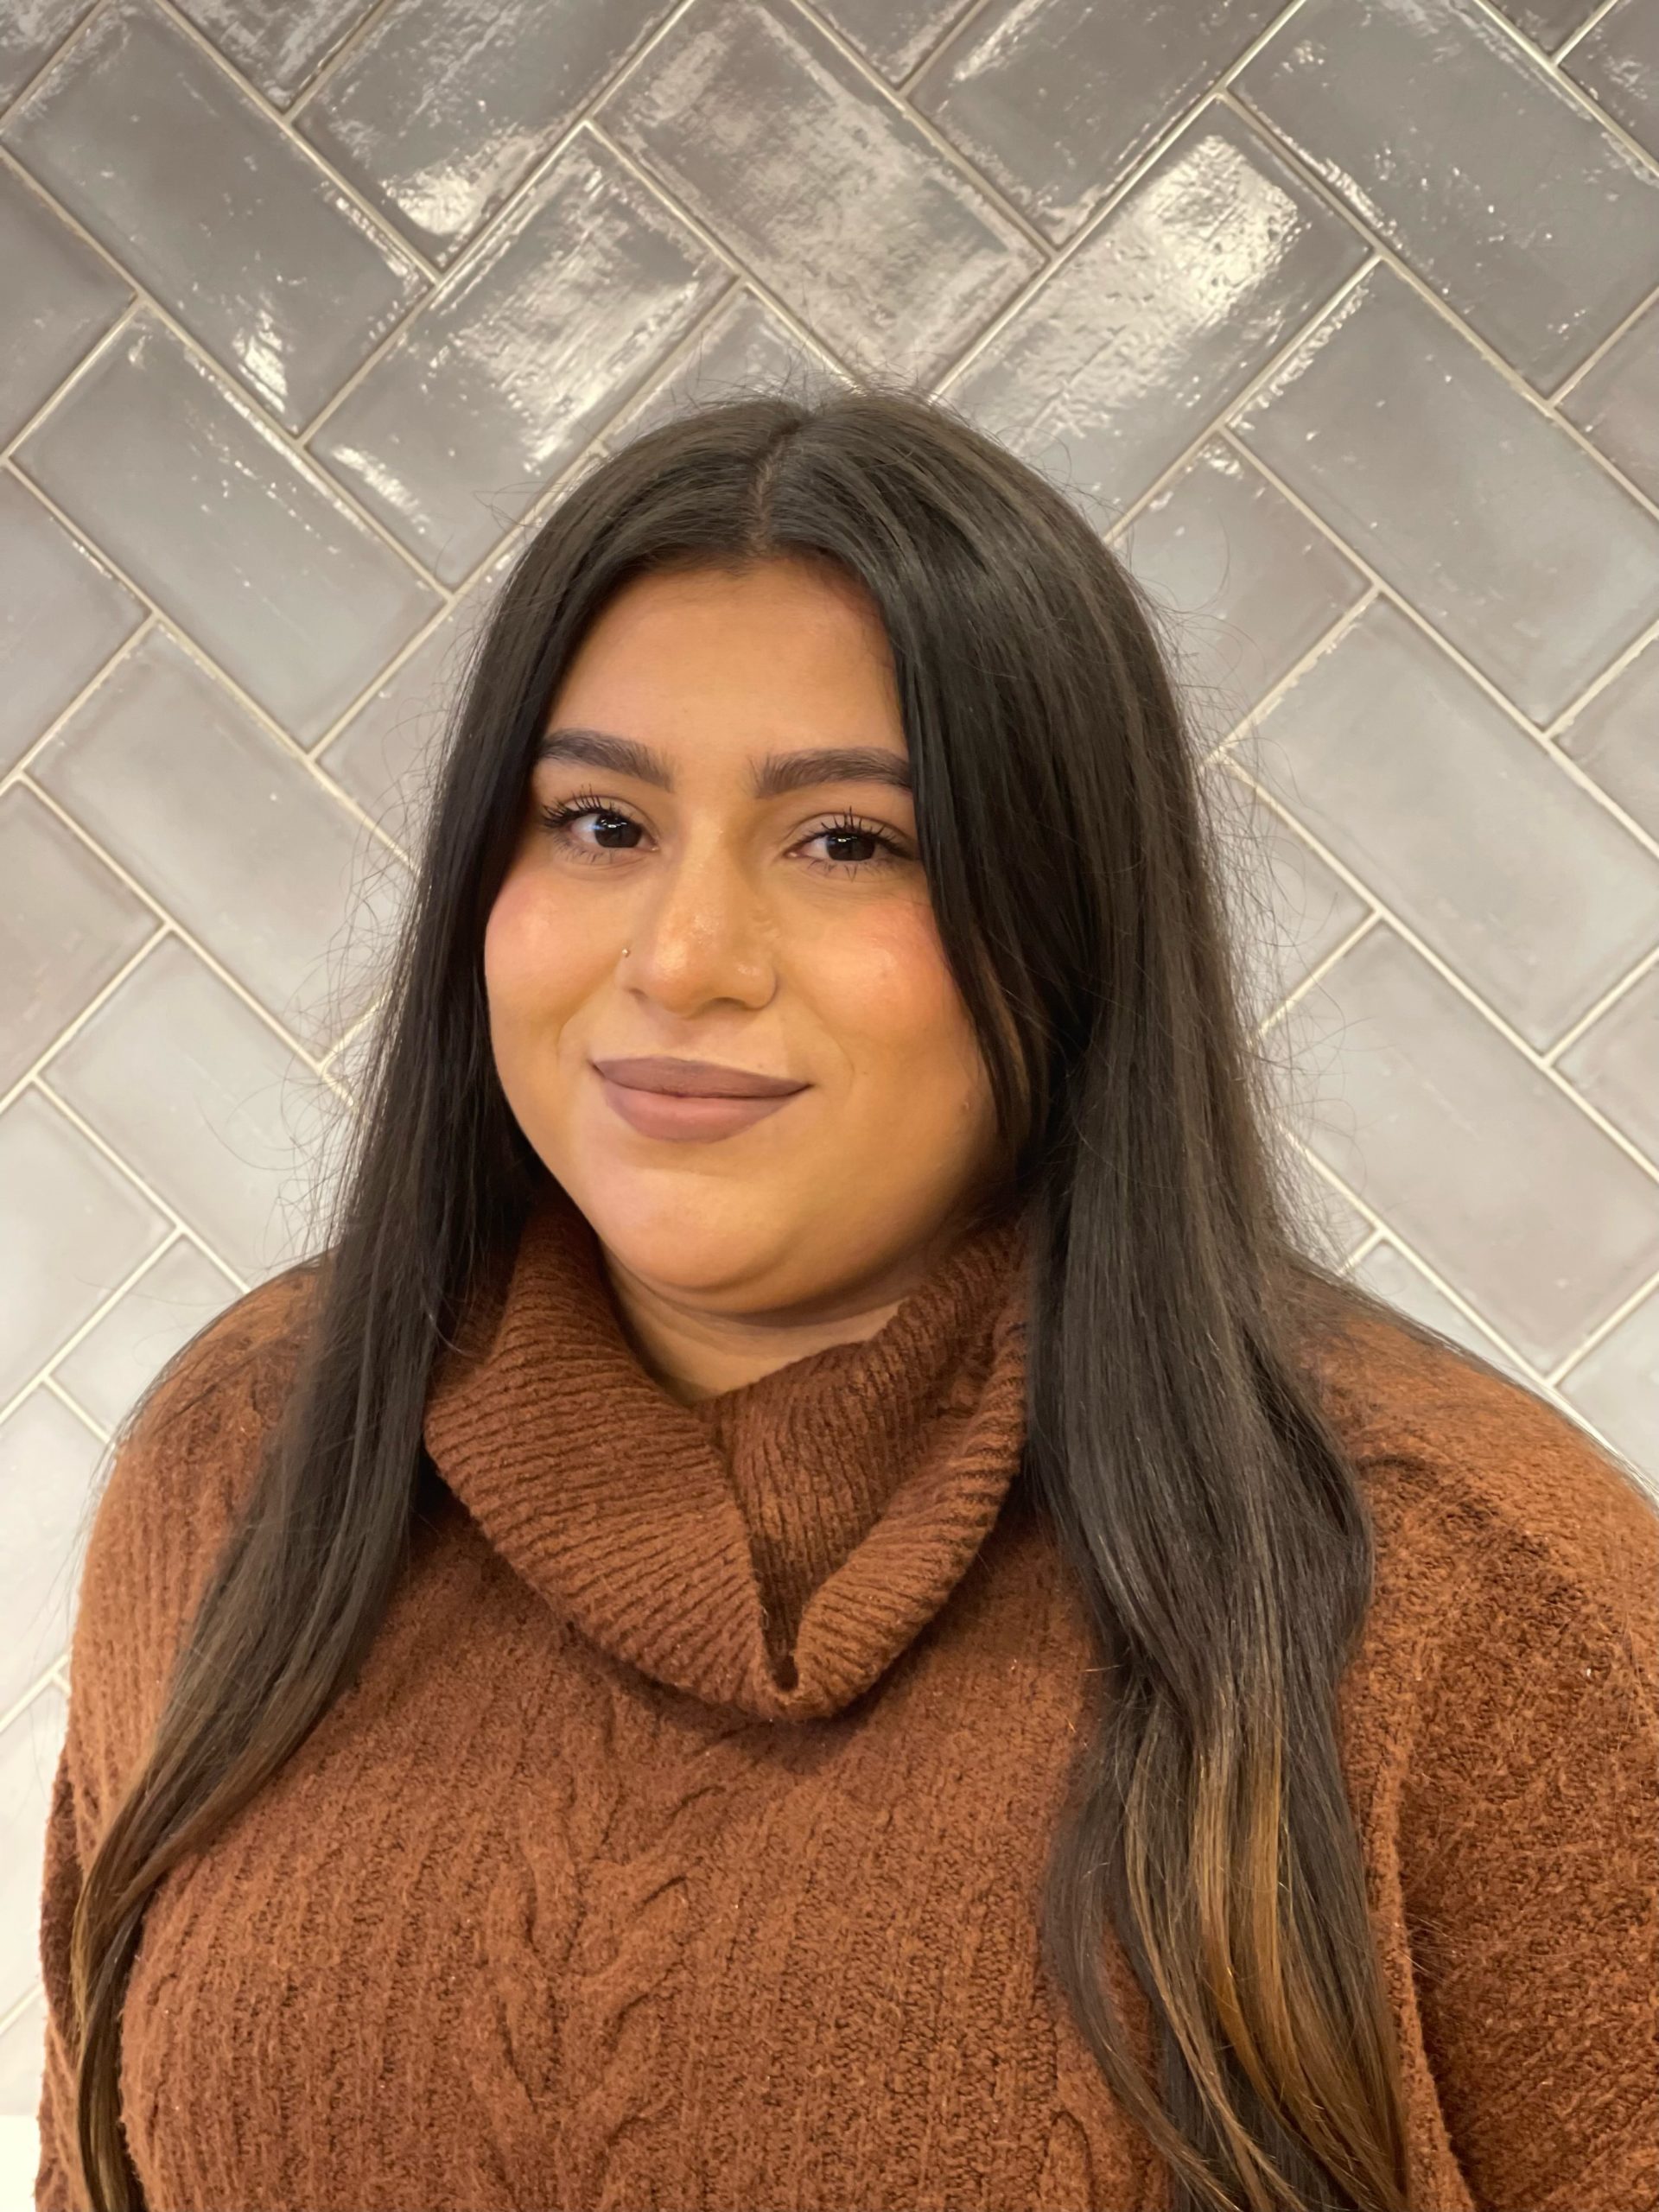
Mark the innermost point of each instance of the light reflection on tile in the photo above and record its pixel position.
(1185, 290)
(217, 213)
(1407, 442)
(1059, 115)
(1616, 61)
(207, 509)
(278, 49)
(444, 106)
(1467, 157)
(496, 384)
(830, 192)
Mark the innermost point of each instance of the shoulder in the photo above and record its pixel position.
(1497, 1513)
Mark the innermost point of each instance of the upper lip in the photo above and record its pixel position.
(695, 1079)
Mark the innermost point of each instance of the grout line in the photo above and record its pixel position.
(1609, 999)
(1442, 307)
(1604, 1328)
(36, 1991)
(229, 387)
(176, 928)
(105, 991)
(953, 30)
(1101, 213)
(193, 650)
(1603, 8)
(1551, 64)
(1574, 378)
(1385, 914)
(357, 36)
(67, 713)
(380, 227)
(1246, 723)
(1563, 762)
(978, 179)
(1610, 675)
(45, 68)
(48, 1381)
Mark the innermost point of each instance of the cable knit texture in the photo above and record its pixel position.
(682, 1843)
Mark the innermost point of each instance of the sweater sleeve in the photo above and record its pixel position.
(1530, 1860)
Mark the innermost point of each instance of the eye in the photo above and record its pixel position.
(611, 819)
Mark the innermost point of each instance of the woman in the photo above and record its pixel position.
(815, 1605)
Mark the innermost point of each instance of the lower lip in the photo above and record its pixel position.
(680, 1120)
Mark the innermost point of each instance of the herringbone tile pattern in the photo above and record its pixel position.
(1341, 317)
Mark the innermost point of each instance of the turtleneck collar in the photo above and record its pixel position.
(773, 1548)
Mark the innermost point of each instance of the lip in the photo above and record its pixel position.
(677, 1118)
(688, 1078)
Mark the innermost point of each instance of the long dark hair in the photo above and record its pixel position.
(1195, 1488)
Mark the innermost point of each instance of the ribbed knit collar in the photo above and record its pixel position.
(773, 1548)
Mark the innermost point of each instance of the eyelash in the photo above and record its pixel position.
(556, 818)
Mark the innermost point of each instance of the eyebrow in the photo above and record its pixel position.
(778, 772)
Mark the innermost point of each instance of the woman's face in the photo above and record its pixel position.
(778, 927)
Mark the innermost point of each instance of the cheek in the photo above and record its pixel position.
(527, 957)
(896, 999)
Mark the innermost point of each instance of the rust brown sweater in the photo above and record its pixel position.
(681, 1845)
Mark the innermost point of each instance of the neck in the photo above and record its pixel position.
(695, 1353)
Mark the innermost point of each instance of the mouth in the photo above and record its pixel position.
(686, 1117)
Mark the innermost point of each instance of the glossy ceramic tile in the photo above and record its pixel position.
(233, 834)
(387, 755)
(895, 35)
(219, 215)
(745, 345)
(1616, 402)
(278, 49)
(207, 509)
(445, 106)
(1616, 61)
(1059, 118)
(61, 296)
(1392, 1275)
(1528, 556)
(1180, 295)
(821, 185)
(1549, 22)
(1405, 769)
(62, 614)
(1615, 1386)
(30, 34)
(1246, 584)
(1468, 157)
(181, 1078)
(1615, 1063)
(73, 1226)
(1612, 737)
(1287, 911)
(23, 2058)
(49, 1463)
(114, 1363)
(28, 1757)
(497, 385)
(1428, 1113)
(68, 923)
